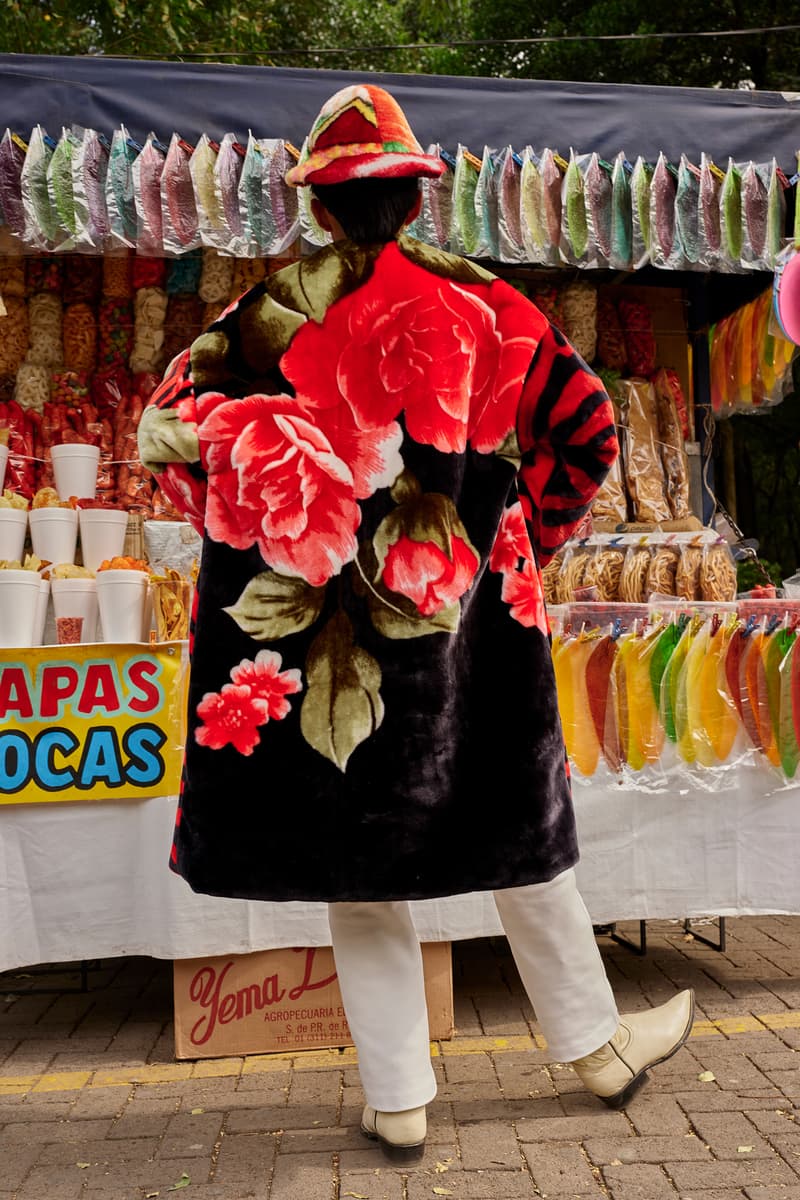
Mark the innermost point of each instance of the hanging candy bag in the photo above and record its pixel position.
(509, 229)
(466, 227)
(60, 188)
(257, 224)
(148, 167)
(283, 201)
(709, 229)
(665, 245)
(621, 215)
(598, 192)
(687, 211)
(730, 202)
(89, 174)
(210, 218)
(119, 189)
(41, 222)
(574, 243)
(12, 159)
(640, 213)
(486, 204)
(180, 225)
(533, 223)
(227, 176)
(755, 196)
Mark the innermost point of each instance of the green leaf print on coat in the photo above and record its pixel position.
(273, 606)
(343, 705)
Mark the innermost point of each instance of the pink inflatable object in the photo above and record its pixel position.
(786, 295)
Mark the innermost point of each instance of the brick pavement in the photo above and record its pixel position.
(93, 1104)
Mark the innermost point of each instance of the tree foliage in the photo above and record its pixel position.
(272, 32)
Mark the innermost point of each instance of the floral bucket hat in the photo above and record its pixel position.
(361, 133)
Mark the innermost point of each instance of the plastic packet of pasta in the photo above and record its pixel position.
(687, 211)
(89, 175)
(466, 229)
(621, 216)
(41, 221)
(730, 204)
(60, 188)
(119, 188)
(282, 200)
(579, 318)
(665, 244)
(640, 213)
(709, 229)
(179, 223)
(12, 158)
(147, 170)
(533, 221)
(210, 217)
(227, 175)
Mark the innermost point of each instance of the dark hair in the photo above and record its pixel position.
(369, 210)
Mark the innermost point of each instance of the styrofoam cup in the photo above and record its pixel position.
(103, 533)
(54, 533)
(13, 527)
(3, 464)
(75, 470)
(19, 591)
(122, 599)
(77, 598)
(41, 611)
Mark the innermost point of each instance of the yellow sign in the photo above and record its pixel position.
(91, 722)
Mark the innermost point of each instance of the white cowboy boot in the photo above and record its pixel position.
(401, 1134)
(643, 1039)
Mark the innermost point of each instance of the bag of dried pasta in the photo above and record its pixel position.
(687, 575)
(644, 473)
(673, 453)
(635, 571)
(579, 315)
(574, 568)
(610, 503)
(718, 574)
(604, 573)
(663, 570)
(551, 575)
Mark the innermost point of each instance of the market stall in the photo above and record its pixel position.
(655, 256)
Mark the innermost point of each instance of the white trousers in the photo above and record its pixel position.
(379, 963)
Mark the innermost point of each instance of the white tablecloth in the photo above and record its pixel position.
(81, 881)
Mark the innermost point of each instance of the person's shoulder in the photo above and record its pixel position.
(310, 285)
(441, 263)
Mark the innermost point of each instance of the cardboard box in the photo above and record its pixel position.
(279, 1000)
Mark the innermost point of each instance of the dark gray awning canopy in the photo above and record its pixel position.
(102, 93)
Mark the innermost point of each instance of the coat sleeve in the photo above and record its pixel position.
(567, 439)
(168, 442)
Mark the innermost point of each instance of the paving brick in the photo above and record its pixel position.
(53, 1182)
(657, 1114)
(689, 1176)
(377, 1185)
(777, 1192)
(97, 1103)
(139, 1150)
(190, 1136)
(298, 1177)
(331, 1140)
(469, 1067)
(315, 1087)
(561, 1169)
(244, 1156)
(17, 1161)
(488, 1144)
(54, 1131)
(370, 1157)
(778, 1123)
(712, 1100)
(522, 1077)
(726, 1132)
(472, 1185)
(574, 1129)
(646, 1149)
(640, 1181)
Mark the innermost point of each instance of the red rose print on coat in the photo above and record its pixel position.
(512, 556)
(289, 480)
(452, 363)
(429, 577)
(256, 695)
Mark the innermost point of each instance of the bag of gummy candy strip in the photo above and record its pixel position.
(532, 219)
(60, 189)
(283, 202)
(210, 217)
(148, 167)
(41, 222)
(423, 227)
(640, 213)
(665, 243)
(730, 207)
(709, 229)
(119, 189)
(621, 216)
(466, 230)
(486, 202)
(180, 224)
(89, 175)
(227, 175)
(687, 212)
(574, 244)
(509, 230)
(12, 158)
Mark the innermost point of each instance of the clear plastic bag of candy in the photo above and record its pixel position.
(574, 242)
(147, 171)
(283, 201)
(12, 159)
(665, 243)
(709, 228)
(60, 187)
(508, 169)
(763, 215)
(310, 228)
(89, 176)
(119, 188)
(640, 212)
(432, 226)
(257, 224)
(180, 226)
(486, 204)
(227, 174)
(466, 230)
(730, 207)
(533, 222)
(211, 219)
(41, 221)
(598, 194)
(687, 211)
(422, 227)
(621, 216)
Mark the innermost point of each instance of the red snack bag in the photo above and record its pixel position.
(640, 341)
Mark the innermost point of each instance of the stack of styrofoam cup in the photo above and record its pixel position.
(54, 534)
(103, 533)
(77, 598)
(13, 527)
(122, 598)
(75, 470)
(19, 592)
